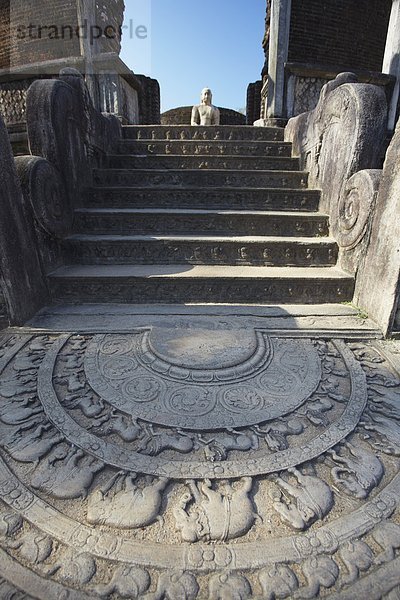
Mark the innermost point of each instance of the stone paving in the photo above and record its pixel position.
(185, 455)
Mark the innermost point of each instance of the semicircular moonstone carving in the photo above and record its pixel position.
(277, 377)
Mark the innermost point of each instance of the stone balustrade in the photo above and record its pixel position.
(341, 144)
(38, 192)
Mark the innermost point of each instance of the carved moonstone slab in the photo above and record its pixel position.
(130, 373)
(262, 462)
(90, 520)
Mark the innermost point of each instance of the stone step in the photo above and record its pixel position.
(218, 133)
(200, 178)
(201, 250)
(320, 320)
(170, 221)
(199, 198)
(205, 148)
(202, 284)
(237, 163)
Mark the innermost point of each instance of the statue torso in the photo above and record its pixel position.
(209, 115)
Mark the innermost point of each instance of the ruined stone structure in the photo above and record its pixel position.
(21, 46)
(194, 409)
(253, 102)
(307, 46)
(42, 38)
(178, 245)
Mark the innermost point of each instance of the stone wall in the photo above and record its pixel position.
(336, 32)
(16, 52)
(349, 33)
(110, 12)
(27, 55)
(324, 38)
(133, 98)
(19, 47)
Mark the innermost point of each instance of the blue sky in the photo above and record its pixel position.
(191, 44)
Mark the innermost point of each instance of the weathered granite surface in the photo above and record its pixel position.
(198, 458)
(65, 128)
(324, 320)
(349, 123)
(47, 208)
(377, 289)
(362, 201)
(354, 218)
(22, 278)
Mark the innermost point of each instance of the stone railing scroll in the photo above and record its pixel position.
(22, 280)
(47, 208)
(67, 138)
(342, 135)
(378, 281)
(66, 129)
(352, 225)
(341, 143)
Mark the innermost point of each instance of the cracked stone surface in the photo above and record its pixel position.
(181, 459)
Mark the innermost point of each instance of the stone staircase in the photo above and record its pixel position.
(201, 215)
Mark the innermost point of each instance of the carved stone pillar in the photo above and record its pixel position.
(391, 61)
(86, 10)
(278, 54)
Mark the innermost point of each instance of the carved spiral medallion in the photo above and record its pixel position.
(44, 191)
(351, 216)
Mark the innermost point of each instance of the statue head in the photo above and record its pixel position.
(206, 96)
